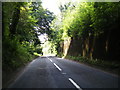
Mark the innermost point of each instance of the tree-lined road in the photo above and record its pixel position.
(53, 72)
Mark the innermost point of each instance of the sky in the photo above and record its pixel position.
(53, 5)
(43, 38)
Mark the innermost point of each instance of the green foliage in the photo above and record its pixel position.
(92, 23)
(104, 16)
(38, 49)
(56, 35)
(95, 62)
(77, 21)
(20, 37)
(90, 17)
(23, 22)
(7, 14)
(44, 18)
(25, 29)
(14, 54)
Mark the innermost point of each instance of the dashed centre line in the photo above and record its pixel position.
(57, 67)
(50, 59)
(73, 82)
(78, 87)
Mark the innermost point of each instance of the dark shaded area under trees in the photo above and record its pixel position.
(105, 45)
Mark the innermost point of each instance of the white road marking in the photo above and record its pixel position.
(78, 87)
(57, 67)
(32, 61)
(50, 59)
(64, 73)
(59, 58)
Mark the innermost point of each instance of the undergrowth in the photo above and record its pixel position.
(14, 55)
(113, 65)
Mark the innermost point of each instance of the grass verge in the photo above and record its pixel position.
(109, 66)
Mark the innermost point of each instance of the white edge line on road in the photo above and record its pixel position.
(32, 61)
(57, 67)
(78, 87)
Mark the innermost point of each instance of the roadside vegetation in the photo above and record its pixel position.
(22, 23)
(112, 67)
(88, 32)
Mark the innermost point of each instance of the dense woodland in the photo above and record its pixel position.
(22, 23)
(88, 32)
(91, 28)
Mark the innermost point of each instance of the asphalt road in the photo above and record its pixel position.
(53, 72)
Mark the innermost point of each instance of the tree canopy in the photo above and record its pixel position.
(22, 24)
(87, 21)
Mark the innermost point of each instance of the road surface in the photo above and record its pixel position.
(54, 72)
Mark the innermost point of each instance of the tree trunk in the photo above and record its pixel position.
(15, 20)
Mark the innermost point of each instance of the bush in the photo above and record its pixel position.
(14, 54)
(96, 62)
